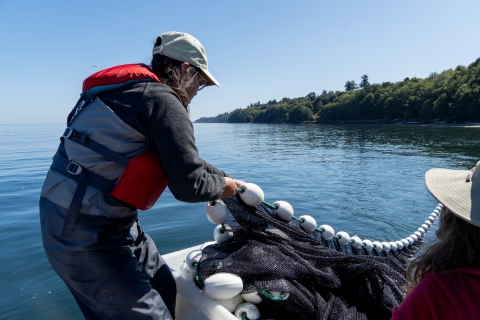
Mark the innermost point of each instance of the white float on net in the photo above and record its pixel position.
(249, 309)
(251, 194)
(399, 245)
(343, 238)
(367, 244)
(356, 242)
(386, 246)
(216, 211)
(221, 235)
(393, 246)
(327, 232)
(252, 297)
(192, 259)
(222, 286)
(377, 246)
(284, 210)
(308, 222)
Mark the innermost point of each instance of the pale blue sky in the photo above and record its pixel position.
(257, 50)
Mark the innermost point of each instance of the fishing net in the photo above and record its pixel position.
(313, 278)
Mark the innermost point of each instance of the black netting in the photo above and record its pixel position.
(321, 281)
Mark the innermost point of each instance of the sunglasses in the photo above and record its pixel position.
(202, 83)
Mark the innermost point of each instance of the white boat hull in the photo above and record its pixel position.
(192, 304)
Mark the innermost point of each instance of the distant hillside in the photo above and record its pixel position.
(451, 96)
(220, 118)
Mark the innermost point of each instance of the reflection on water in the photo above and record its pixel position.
(366, 180)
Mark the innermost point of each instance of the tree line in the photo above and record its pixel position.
(451, 96)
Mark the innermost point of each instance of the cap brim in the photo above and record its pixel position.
(450, 188)
(210, 78)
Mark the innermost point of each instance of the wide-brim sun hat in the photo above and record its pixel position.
(458, 190)
(186, 48)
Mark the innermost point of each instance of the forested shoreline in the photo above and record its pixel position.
(448, 97)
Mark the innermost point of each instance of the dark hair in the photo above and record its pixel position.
(458, 244)
(168, 70)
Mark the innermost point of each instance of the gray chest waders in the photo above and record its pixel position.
(93, 242)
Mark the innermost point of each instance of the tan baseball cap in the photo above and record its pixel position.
(184, 47)
(458, 190)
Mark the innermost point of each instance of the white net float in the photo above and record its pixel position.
(410, 240)
(399, 245)
(428, 223)
(206, 244)
(222, 286)
(186, 273)
(277, 294)
(414, 237)
(232, 303)
(327, 232)
(222, 236)
(367, 244)
(418, 234)
(249, 310)
(431, 218)
(386, 246)
(393, 246)
(283, 210)
(252, 297)
(192, 259)
(434, 214)
(308, 222)
(356, 242)
(251, 194)
(421, 230)
(377, 246)
(405, 242)
(216, 211)
(343, 238)
(425, 226)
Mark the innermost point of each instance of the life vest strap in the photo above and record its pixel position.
(85, 177)
(75, 205)
(85, 141)
(64, 166)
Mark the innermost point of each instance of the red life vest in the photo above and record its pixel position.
(119, 75)
(144, 179)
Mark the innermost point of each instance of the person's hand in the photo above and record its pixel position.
(238, 182)
(231, 188)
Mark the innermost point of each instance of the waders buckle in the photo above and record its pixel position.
(74, 168)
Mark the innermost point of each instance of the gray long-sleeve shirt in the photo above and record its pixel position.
(156, 111)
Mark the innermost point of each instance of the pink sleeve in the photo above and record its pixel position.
(428, 300)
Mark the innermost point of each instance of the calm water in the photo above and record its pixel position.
(366, 180)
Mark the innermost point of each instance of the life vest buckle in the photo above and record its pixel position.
(74, 168)
(68, 132)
